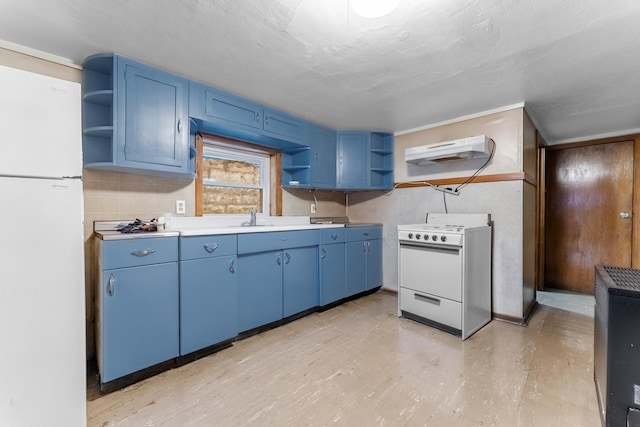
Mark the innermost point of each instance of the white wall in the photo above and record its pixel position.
(503, 200)
(504, 128)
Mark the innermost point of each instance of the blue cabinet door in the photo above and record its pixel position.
(208, 302)
(152, 120)
(259, 289)
(332, 273)
(300, 282)
(323, 162)
(282, 126)
(220, 106)
(353, 159)
(356, 258)
(139, 318)
(374, 263)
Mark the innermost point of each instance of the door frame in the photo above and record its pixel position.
(542, 190)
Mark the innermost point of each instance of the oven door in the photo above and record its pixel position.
(435, 270)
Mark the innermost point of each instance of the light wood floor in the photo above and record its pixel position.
(360, 365)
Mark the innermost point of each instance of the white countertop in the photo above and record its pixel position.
(252, 229)
(210, 225)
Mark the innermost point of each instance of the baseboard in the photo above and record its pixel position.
(522, 321)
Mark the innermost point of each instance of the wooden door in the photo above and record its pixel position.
(588, 188)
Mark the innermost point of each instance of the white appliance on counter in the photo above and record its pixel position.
(42, 296)
(444, 272)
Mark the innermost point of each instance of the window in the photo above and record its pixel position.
(235, 177)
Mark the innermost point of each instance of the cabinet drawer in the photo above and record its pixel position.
(208, 246)
(363, 233)
(440, 310)
(262, 242)
(332, 235)
(136, 252)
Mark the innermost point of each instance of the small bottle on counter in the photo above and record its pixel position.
(167, 221)
(160, 224)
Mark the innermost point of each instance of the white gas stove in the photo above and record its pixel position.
(444, 272)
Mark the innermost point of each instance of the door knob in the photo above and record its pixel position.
(625, 215)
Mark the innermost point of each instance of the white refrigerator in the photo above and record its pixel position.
(42, 296)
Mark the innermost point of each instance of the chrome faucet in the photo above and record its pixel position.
(253, 220)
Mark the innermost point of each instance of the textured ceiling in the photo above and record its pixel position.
(573, 63)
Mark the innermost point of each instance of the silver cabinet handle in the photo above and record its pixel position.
(323, 254)
(288, 258)
(179, 126)
(144, 252)
(425, 298)
(232, 268)
(625, 215)
(334, 236)
(279, 259)
(257, 117)
(364, 246)
(368, 246)
(210, 247)
(365, 234)
(111, 285)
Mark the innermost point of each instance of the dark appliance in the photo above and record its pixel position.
(616, 352)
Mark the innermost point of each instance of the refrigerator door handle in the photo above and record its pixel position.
(111, 285)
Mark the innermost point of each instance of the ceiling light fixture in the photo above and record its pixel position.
(373, 8)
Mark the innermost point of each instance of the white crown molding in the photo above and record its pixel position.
(39, 54)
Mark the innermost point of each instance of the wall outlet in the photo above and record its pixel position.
(181, 207)
(313, 208)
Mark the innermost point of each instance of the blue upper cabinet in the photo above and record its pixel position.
(135, 118)
(353, 160)
(323, 156)
(282, 126)
(225, 114)
(312, 165)
(364, 160)
(381, 161)
(216, 106)
(141, 119)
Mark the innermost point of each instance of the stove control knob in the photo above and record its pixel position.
(443, 238)
(418, 236)
(410, 235)
(426, 237)
(434, 237)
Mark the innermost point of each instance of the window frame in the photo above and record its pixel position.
(273, 198)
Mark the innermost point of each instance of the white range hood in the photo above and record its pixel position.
(460, 149)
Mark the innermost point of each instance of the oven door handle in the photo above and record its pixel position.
(441, 248)
(425, 298)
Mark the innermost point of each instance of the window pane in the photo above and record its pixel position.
(231, 171)
(229, 200)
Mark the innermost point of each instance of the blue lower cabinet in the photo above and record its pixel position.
(139, 318)
(300, 282)
(332, 273)
(208, 302)
(356, 275)
(259, 289)
(363, 259)
(374, 263)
